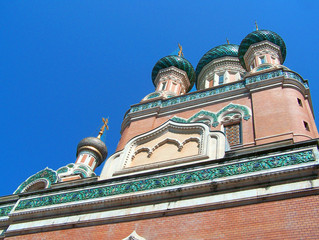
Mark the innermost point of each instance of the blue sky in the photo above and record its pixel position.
(66, 64)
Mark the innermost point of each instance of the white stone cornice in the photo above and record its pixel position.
(211, 201)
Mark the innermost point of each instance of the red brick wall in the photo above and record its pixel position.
(287, 219)
(148, 124)
(275, 111)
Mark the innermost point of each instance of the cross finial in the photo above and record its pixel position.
(227, 40)
(256, 25)
(180, 52)
(105, 126)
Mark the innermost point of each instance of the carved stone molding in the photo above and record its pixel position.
(222, 116)
(134, 236)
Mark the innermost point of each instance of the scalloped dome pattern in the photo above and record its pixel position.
(259, 36)
(224, 50)
(176, 61)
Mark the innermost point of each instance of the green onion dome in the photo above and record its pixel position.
(178, 62)
(259, 36)
(230, 50)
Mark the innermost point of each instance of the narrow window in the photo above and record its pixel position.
(221, 79)
(233, 134)
(163, 86)
(174, 86)
(252, 66)
(262, 59)
(211, 83)
(306, 126)
(299, 102)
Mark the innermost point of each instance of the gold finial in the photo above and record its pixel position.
(227, 40)
(105, 126)
(180, 52)
(256, 25)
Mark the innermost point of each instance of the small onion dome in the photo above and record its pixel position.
(230, 50)
(259, 36)
(93, 144)
(178, 62)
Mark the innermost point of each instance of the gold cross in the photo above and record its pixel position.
(180, 53)
(105, 126)
(256, 25)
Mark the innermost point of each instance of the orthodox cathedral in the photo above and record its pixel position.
(236, 159)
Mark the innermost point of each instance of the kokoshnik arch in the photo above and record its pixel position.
(190, 165)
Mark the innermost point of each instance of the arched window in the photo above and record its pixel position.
(35, 186)
(233, 133)
(163, 86)
(232, 128)
(262, 59)
(220, 79)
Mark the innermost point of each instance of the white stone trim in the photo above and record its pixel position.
(134, 236)
(217, 66)
(191, 204)
(185, 189)
(175, 74)
(45, 181)
(207, 138)
(261, 48)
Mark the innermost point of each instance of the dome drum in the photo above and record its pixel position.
(261, 53)
(227, 66)
(219, 62)
(179, 63)
(257, 38)
(95, 146)
(172, 76)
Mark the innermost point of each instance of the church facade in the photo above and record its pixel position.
(235, 159)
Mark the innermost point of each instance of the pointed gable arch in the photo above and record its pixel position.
(45, 178)
(134, 236)
(169, 144)
(216, 118)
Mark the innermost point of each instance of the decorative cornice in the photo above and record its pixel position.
(5, 210)
(168, 180)
(217, 90)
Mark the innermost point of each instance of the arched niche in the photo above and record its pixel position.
(170, 144)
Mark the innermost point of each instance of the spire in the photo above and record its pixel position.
(180, 53)
(227, 40)
(256, 25)
(105, 126)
